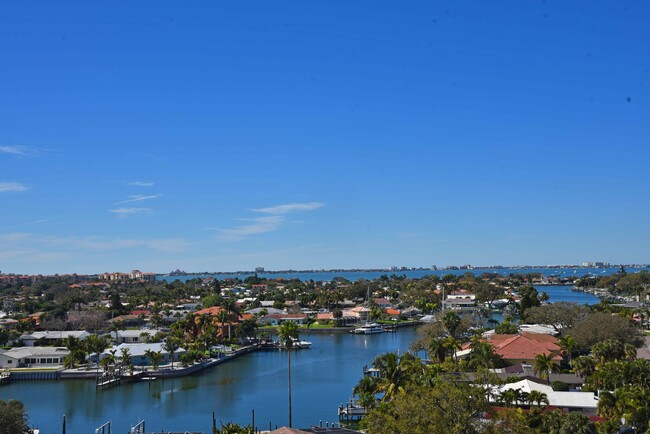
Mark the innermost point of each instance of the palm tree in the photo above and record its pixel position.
(155, 357)
(483, 355)
(452, 345)
(437, 349)
(115, 327)
(75, 346)
(511, 397)
(171, 345)
(95, 344)
(544, 365)
(287, 332)
(584, 366)
(396, 372)
(568, 345)
(366, 389)
(535, 397)
(309, 321)
(125, 356)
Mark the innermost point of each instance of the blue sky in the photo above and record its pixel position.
(321, 134)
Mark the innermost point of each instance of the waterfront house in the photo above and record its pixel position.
(361, 312)
(411, 312)
(585, 402)
(269, 311)
(392, 313)
(132, 336)
(137, 353)
(51, 337)
(8, 323)
(277, 319)
(522, 348)
(33, 357)
(225, 329)
(128, 320)
(188, 306)
(382, 303)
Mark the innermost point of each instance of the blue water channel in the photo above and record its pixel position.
(322, 376)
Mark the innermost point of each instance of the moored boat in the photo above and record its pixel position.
(368, 329)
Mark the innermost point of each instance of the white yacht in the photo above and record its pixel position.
(368, 329)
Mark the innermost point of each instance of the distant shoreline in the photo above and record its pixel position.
(406, 269)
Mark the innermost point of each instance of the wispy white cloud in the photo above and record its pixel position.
(269, 223)
(258, 225)
(20, 242)
(103, 243)
(289, 208)
(14, 237)
(141, 183)
(138, 198)
(12, 186)
(35, 222)
(124, 212)
(17, 150)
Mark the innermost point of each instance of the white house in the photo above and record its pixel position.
(132, 336)
(585, 402)
(138, 352)
(50, 337)
(33, 357)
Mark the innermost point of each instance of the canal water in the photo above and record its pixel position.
(322, 378)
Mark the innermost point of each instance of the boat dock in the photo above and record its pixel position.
(351, 411)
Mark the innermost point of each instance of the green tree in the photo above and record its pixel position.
(13, 419)
(171, 345)
(395, 373)
(631, 402)
(483, 355)
(448, 407)
(155, 358)
(76, 349)
(535, 397)
(337, 314)
(452, 322)
(287, 333)
(584, 366)
(568, 345)
(507, 328)
(365, 390)
(125, 357)
(608, 350)
(529, 298)
(543, 365)
(309, 321)
(590, 330)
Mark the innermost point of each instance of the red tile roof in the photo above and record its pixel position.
(525, 346)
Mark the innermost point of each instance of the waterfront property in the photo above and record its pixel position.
(585, 402)
(523, 348)
(132, 336)
(33, 357)
(138, 353)
(51, 337)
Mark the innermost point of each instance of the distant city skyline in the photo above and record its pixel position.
(319, 135)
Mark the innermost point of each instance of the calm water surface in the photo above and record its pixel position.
(322, 377)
